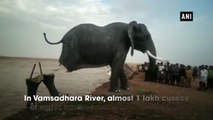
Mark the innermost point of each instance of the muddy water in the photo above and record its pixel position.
(14, 71)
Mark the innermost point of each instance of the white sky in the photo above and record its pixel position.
(22, 23)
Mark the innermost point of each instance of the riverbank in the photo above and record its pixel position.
(156, 101)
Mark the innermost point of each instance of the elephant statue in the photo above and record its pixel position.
(89, 46)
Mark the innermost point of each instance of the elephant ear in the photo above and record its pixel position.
(130, 34)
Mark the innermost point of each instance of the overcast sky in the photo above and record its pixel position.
(22, 23)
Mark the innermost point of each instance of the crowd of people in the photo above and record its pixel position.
(182, 75)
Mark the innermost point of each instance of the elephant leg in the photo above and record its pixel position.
(114, 80)
(32, 88)
(116, 67)
(123, 80)
(49, 82)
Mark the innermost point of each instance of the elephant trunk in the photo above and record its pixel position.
(151, 73)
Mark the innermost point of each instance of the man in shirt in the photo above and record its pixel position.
(203, 78)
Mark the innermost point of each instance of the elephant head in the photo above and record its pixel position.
(141, 40)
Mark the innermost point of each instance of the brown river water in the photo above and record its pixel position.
(14, 71)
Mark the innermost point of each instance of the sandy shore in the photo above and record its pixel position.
(14, 71)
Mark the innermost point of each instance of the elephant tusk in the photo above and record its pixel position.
(154, 57)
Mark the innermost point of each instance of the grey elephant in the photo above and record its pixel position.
(88, 46)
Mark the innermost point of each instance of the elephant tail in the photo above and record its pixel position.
(49, 41)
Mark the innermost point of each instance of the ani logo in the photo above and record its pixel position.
(186, 16)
